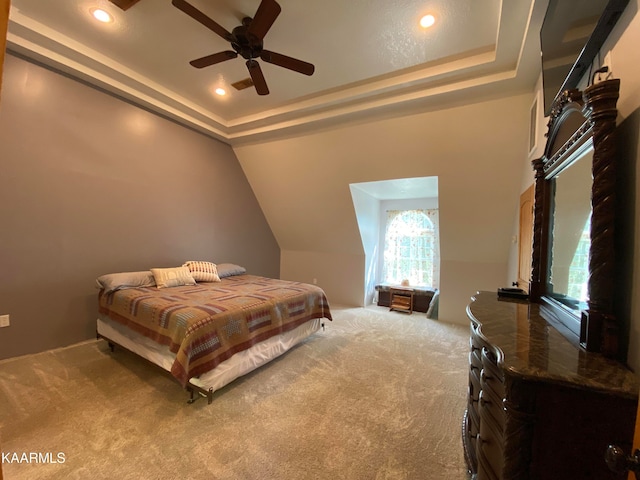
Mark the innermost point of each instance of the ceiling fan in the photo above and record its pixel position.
(246, 41)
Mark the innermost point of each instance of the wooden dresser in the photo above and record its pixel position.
(539, 406)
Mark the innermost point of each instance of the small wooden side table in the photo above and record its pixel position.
(401, 299)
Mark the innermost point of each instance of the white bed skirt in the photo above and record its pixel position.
(239, 364)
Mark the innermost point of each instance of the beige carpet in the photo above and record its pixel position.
(378, 395)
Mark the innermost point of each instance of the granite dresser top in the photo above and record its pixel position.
(531, 348)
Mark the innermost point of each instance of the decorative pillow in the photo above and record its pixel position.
(203, 271)
(230, 269)
(118, 281)
(172, 277)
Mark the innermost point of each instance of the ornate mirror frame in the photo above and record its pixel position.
(577, 118)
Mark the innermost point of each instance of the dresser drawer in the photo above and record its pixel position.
(474, 421)
(475, 359)
(489, 405)
(474, 384)
(489, 447)
(476, 341)
(485, 471)
(492, 375)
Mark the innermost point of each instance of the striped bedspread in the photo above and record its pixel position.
(207, 323)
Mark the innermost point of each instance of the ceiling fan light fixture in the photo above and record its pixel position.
(101, 15)
(427, 21)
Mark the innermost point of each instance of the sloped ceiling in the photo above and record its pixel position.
(371, 57)
(400, 189)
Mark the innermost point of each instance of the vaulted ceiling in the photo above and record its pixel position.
(370, 56)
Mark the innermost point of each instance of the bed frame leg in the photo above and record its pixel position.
(112, 346)
(200, 393)
(191, 396)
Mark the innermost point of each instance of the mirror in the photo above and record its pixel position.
(574, 214)
(570, 239)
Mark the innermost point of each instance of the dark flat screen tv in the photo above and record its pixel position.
(572, 34)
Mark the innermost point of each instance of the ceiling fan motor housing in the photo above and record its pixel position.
(245, 43)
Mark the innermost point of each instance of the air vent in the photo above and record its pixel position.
(242, 84)
(124, 4)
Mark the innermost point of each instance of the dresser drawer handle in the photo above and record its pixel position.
(489, 354)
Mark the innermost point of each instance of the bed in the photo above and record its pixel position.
(207, 324)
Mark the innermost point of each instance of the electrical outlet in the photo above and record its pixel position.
(4, 321)
(315, 281)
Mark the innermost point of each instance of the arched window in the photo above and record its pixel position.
(411, 248)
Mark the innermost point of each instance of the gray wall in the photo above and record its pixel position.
(90, 184)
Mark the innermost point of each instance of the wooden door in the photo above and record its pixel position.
(525, 238)
(4, 22)
(636, 442)
(620, 460)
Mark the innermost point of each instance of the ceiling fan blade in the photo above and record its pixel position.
(258, 78)
(213, 59)
(197, 15)
(266, 14)
(287, 62)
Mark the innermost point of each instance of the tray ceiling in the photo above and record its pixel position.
(371, 57)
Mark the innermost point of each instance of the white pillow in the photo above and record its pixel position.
(203, 271)
(172, 277)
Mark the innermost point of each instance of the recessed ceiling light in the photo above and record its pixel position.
(101, 15)
(220, 91)
(427, 21)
